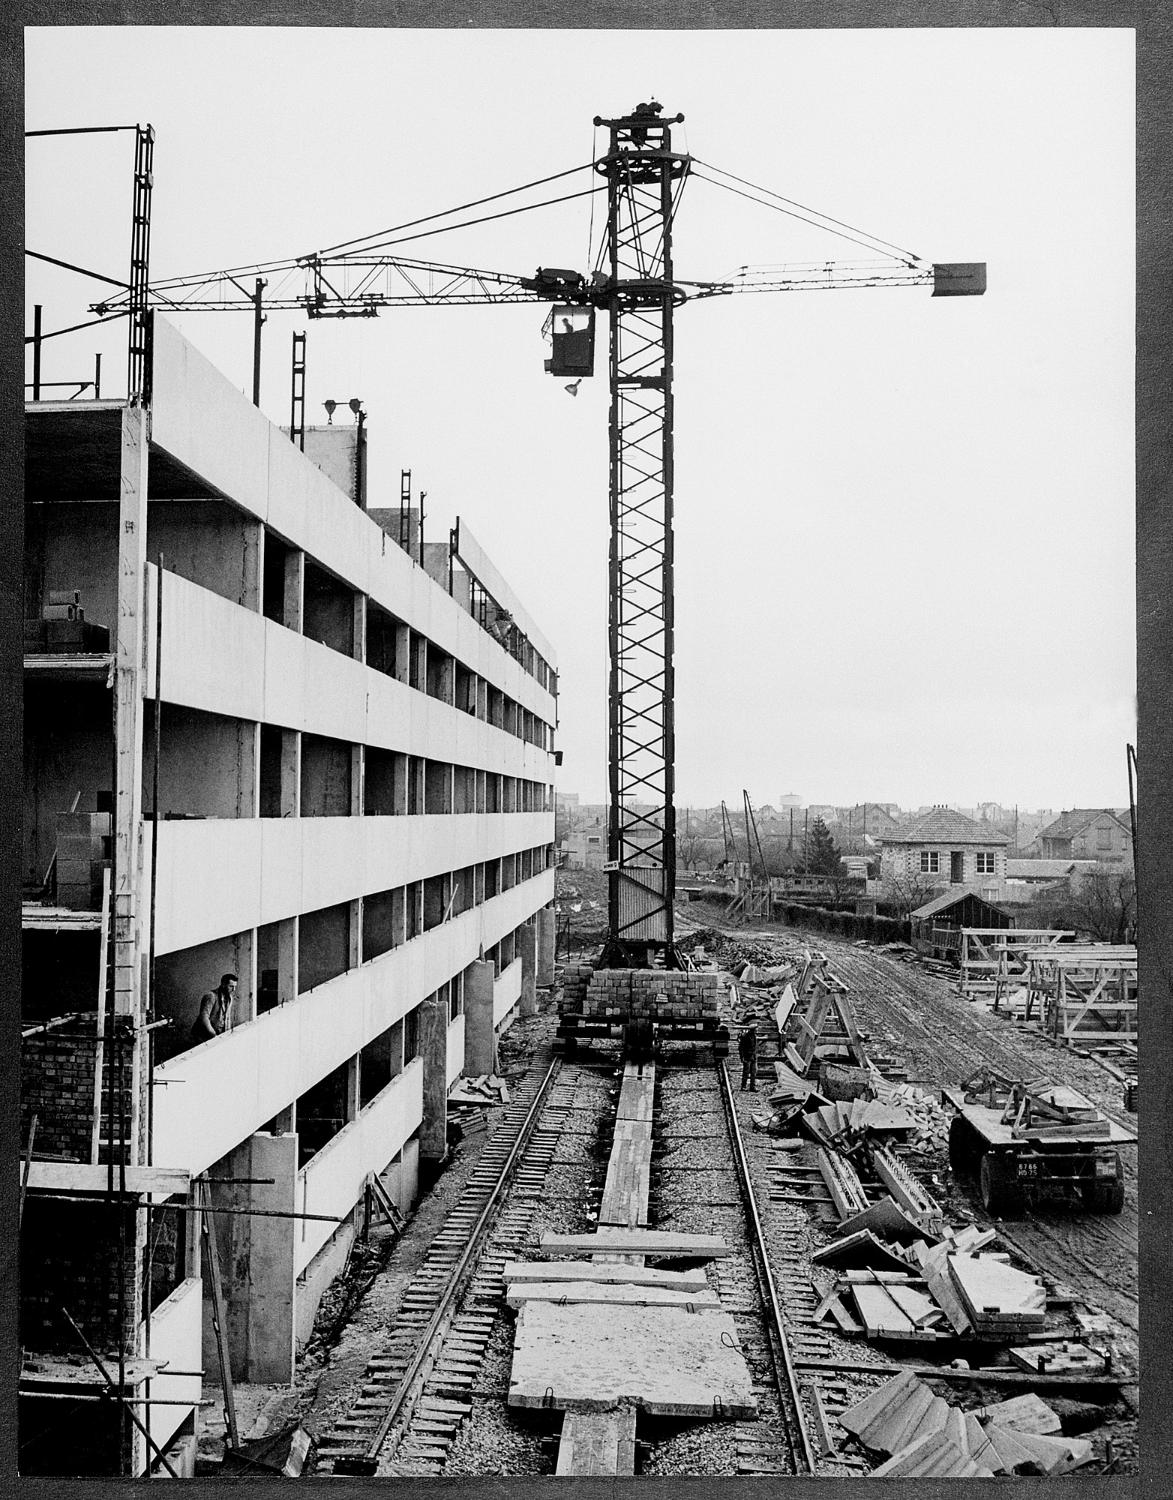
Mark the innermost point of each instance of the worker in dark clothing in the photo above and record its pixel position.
(215, 1013)
(747, 1050)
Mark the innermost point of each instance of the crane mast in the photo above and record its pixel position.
(644, 177)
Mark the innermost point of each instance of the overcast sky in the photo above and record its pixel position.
(904, 530)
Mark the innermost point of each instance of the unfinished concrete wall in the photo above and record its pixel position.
(326, 777)
(68, 754)
(323, 949)
(207, 764)
(382, 924)
(328, 610)
(335, 451)
(73, 546)
(211, 543)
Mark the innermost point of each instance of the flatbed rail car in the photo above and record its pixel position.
(1032, 1140)
(682, 1005)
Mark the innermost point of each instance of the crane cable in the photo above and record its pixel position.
(821, 221)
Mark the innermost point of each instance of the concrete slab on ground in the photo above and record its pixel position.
(598, 1443)
(667, 1360)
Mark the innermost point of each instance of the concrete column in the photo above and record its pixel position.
(287, 945)
(293, 604)
(257, 1261)
(545, 947)
(402, 653)
(290, 773)
(252, 572)
(353, 1086)
(433, 1043)
(480, 1042)
(248, 770)
(128, 707)
(359, 630)
(244, 963)
(354, 934)
(448, 680)
(527, 944)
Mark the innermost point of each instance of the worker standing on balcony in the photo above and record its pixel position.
(747, 1050)
(215, 1015)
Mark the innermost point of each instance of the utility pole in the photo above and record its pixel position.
(644, 177)
(258, 323)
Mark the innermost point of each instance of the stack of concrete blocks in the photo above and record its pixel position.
(83, 842)
(619, 995)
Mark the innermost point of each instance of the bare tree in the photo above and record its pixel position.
(908, 891)
(1100, 905)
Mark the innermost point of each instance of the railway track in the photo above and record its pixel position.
(416, 1391)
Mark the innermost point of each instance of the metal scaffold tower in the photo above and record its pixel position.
(644, 178)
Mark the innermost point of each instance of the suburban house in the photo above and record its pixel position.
(942, 847)
(1088, 833)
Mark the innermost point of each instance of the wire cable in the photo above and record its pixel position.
(120, 312)
(81, 270)
(379, 234)
(822, 220)
(484, 219)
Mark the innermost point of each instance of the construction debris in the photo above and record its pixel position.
(924, 1435)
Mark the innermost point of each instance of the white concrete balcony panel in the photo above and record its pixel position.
(213, 1096)
(506, 991)
(331, 1182)
(222, 658)
(226, 875)
(176, 1338)
(201, 419)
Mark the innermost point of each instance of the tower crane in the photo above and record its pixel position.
(636, 284)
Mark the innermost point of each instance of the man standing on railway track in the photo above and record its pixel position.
(747, 1050)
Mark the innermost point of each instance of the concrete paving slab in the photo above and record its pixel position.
(637, 1242)
(612, 1295)
(666, 1360)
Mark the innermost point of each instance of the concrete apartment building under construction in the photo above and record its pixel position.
(293, 754)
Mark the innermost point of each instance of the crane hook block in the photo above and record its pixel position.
(966, 279)
(571, 331)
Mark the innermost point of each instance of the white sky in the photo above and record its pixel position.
(904, 525)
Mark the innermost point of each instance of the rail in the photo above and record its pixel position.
(784, 1369)
(457, 1280)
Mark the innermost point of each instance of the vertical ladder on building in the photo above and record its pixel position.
(297, 398)
(105, 988)
(404, 508)
(140, 256)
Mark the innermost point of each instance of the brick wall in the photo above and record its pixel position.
(57, 1085)
(69, 1256)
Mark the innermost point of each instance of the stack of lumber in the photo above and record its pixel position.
(926, 1436)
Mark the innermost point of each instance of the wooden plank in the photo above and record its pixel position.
(598, 1443)
(638, 1242)
(608, 1294)
(602, 1272)
(89, 1177)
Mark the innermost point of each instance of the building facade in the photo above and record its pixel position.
(1096, 833)
(263, 739)
(943, 847)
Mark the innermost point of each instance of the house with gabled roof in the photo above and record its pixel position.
(944, 847)
(1088, 833)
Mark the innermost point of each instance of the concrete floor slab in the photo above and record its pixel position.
(666, 1360)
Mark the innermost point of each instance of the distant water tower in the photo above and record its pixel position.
(790, 799)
